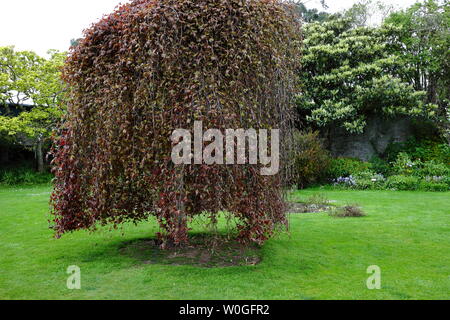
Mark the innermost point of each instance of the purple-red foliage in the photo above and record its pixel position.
(151, 67)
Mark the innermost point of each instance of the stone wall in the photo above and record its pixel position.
(379, 133)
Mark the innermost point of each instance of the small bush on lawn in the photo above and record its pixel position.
(347, 211)
(23, 176)
(399, 182)
(318, 199)
(364, 184)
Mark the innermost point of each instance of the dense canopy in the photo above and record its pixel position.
(158, 65)
(350, 73)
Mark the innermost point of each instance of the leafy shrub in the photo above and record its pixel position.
(397, 182)
(362, 181)
(403, 165)
(364, 184)
(433, 186)
(380, 166)
(445, 180)
(442, 153)
(347, 211)
(311, 159)
(345, 181)
(432, 169)
(24, 176)
(410, 175)
(345, 167)
(400, 182)
(369, 180)
(423, 150)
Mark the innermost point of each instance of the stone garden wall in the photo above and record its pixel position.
(379, 133)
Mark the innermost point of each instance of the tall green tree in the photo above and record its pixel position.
(424, 31)
(349, 73)
(26, 78)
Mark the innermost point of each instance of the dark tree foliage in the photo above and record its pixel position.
(151, 67)
(311, 15)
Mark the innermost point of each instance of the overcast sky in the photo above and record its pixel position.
(40, 25)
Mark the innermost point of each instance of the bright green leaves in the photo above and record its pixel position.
(26, 78)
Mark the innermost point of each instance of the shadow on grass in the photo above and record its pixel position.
(203, 250)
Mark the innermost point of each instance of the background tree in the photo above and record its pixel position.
(349, 73)
(424, 31)
(311, 15)
(26, 78)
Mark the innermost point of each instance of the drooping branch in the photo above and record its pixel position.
(154, 66)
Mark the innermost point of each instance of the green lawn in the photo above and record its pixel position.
(407, 234)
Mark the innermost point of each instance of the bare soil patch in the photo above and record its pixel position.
(202, 251)
(298, 207)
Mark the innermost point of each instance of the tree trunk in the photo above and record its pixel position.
(39, 155)
(4, 155)
(181, 220)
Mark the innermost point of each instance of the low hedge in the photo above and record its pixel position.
(20, 176)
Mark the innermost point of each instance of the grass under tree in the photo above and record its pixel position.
(407, 234)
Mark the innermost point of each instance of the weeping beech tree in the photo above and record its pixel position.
(154, 66)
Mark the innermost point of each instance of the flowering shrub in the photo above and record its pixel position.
(432, 169)
(345, 181)
(362, 181)
(344, 79)
(367, 180)
(403, 165)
